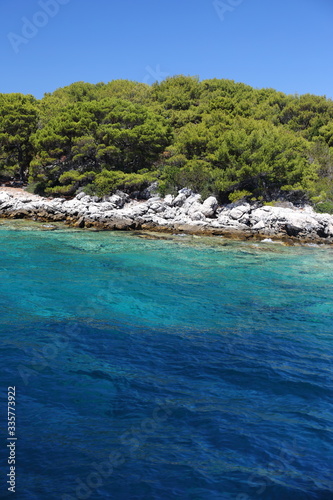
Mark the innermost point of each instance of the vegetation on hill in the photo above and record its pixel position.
(214, 136)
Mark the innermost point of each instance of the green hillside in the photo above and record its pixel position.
(214, 136)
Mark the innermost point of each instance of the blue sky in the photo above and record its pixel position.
(283, 44)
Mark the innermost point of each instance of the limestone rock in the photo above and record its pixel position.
(209, 206)
(186, 211)
(329, 229)
(79, 223)
(238, 211)
(259, 226)
(179, 200)
(168, 200)
(80, 195)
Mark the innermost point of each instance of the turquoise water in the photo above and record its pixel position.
(178, 368)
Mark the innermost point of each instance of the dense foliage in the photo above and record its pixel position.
(214, 136)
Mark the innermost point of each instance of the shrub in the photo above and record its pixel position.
(238, 195)
(108, 181)
(325, 207)
(36, 188)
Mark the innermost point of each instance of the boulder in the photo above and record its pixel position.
(187, 192)
(94, 209)
(209, 206)
(260, 214)
(79, 222)
(259, 226)
(116, 200)
(238, 212)
(80, 195)
(195, 211)
(136, 210)
(149, 192)
(329, 229)
(197, 216)
(86, 199)
(190, 201)
(168, 199)
(4, 197)
(157, 207)
(119, 199)
(224, 220)
(170, 213)
(179, 200)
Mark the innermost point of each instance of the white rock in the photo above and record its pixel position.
(170, 213)
(329, 229)
(209, 206)
(224, 220)
(118, 199)
(217, 224)
(179, 200)
(197, 216)
(157, 207)
(185, 191)
(4, 198)
(57, 201)
(238, 212)
(137, 210)
(260, 214)
(260, 225)
(105, 207)
(194, 198)
(94, 209)
(168, 200)
(80, 195)
(86, 199)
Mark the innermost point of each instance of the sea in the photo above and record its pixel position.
(146, 366)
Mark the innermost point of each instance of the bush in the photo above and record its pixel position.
(325, 207)
(196, 175)
(89, 189)
(36, 188)
(70, 183)
(108, 181)
(238, 195)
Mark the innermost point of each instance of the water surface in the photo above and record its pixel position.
(202, 368)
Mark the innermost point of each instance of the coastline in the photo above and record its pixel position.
(185, 213)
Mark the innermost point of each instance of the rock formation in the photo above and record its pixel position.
(185, 212)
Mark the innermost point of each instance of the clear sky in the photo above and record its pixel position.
(283, 44)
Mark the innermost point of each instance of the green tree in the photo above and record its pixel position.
(262, 159)
(112, 134)
(18, 121)
(177, 92)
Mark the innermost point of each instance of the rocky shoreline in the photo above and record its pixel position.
(184, 213)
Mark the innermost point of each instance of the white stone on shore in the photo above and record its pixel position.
(185, 210)
(179, 200)
(209, 206)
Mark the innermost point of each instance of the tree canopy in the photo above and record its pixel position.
(214, 136)
(18, 121)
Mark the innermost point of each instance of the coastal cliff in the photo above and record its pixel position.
(186, 213)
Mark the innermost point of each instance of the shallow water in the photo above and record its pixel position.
(201, 368)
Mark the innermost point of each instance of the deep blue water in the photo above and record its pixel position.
(185, 368)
